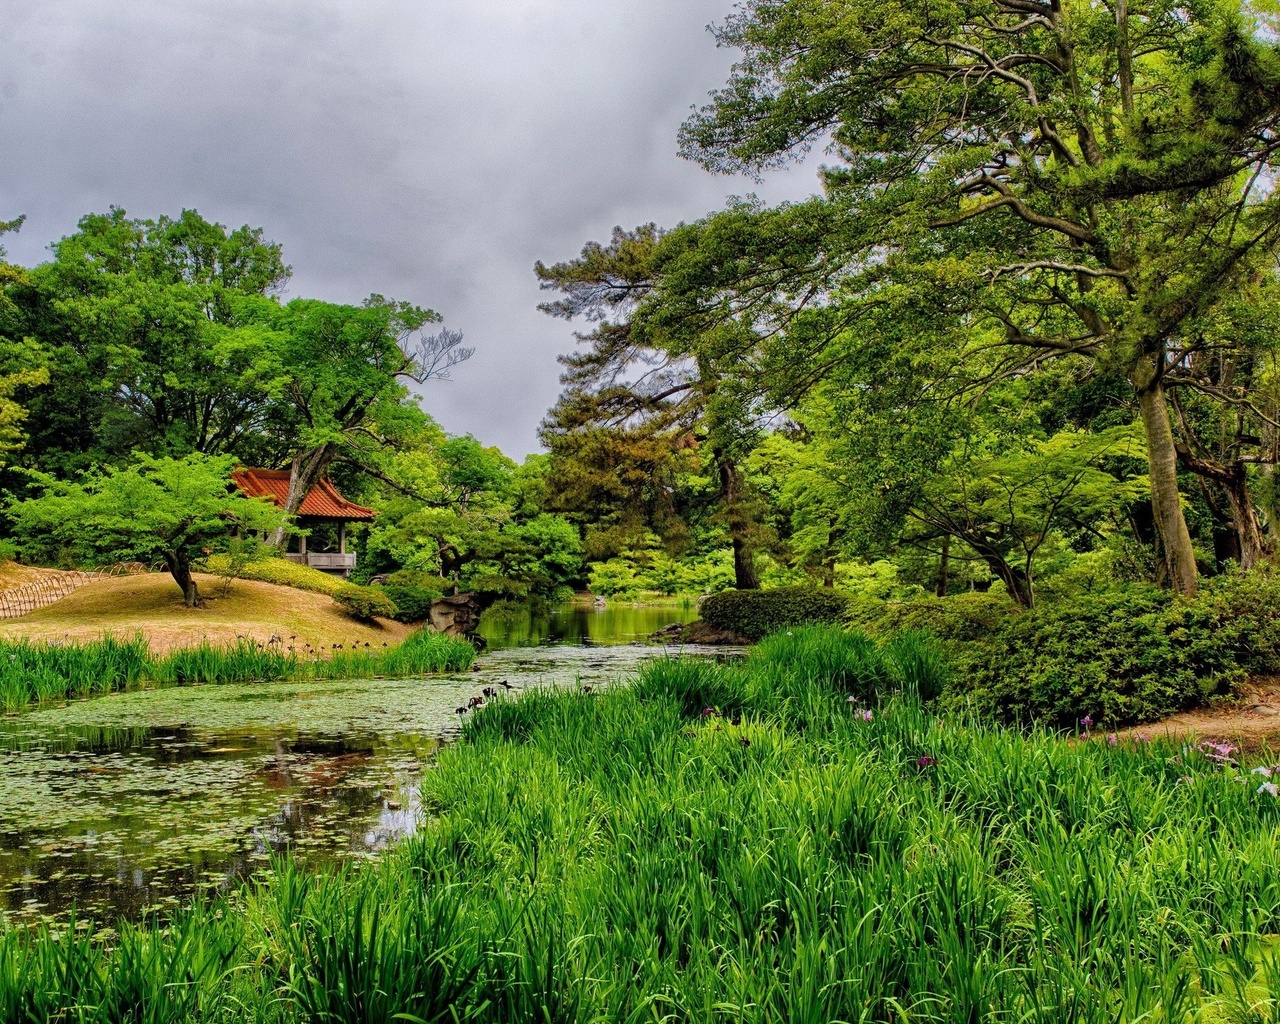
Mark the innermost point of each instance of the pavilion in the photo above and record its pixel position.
(324, 515)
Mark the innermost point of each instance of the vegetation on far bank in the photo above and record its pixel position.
(795, 838)
(36, 673)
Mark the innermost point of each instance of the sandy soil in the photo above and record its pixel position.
(152, 605)
(1252, 721)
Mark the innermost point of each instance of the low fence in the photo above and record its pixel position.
(45, 591)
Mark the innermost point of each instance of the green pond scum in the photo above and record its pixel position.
(792, 837)
(39, 673)
(139, 801)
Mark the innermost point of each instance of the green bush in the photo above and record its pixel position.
(279, 571)
(962, 618)
(413, 604)
(1132, 653)
(365, 603)
(1124, 655)
(755, 614)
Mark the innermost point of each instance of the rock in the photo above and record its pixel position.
(674, 633)
(700, 633)
(455, 615)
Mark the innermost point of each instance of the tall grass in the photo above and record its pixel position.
(743, 843)
(33, 673)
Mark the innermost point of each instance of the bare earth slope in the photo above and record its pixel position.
(152, 605)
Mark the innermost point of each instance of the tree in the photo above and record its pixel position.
(637, 406)
(21, 362)
(169, 510)
(150, 332)
(344, 368)
(1085, 179)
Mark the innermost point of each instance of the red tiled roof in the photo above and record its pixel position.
(324, 501)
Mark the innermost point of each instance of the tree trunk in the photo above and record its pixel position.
(944, 567)
(1162, 467)
(1014, 580)
(1244, 517)
(305, 472)
(180, 569)
(744, 560)
(744, 566)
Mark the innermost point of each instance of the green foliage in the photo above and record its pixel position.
(365, 604)
(618, 577)
(280, 571)
(35, 673)
(1126, 653)
(412, 604)
(1119, 656)
(902, 867)
(168, 510)
(962, 618)
(757, 613)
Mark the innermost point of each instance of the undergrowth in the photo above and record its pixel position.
(797, 838)
(33, 673)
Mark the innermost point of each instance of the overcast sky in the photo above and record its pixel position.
(430, 150)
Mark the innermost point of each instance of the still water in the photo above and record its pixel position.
(132, 803)
(580, 624)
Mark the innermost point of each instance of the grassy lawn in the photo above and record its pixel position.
(152, 605)
(745, 843)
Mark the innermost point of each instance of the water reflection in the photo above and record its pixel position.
(126, 804)
(615, 623)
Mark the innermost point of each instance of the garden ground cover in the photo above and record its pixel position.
(779, 841)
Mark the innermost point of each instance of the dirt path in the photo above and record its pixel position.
(1252, 722)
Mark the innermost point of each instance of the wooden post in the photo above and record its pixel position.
(302, 547)
(342, 537)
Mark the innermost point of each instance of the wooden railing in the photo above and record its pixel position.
(45, 591)
(329, 561)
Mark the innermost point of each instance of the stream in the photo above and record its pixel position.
(137, 802)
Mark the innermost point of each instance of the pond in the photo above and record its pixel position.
(133, 803)
(577, 623)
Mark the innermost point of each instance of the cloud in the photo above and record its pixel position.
(428, 150)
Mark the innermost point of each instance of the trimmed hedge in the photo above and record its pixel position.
(283, 573)
(365, 603)
(755, 614)
(962, 618)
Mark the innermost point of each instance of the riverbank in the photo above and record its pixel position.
(44, 672)
(791, 838)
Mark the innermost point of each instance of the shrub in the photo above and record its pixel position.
(755, 614)
(365, 603)
(413, 604)
(962, 618)
(279, 571)
(1124, 655)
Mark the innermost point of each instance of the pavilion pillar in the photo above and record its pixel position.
(302, 546)
(342, 537)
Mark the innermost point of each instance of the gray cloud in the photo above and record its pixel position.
(428, 150)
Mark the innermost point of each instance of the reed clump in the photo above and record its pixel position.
(812, 844)
(34, 673)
